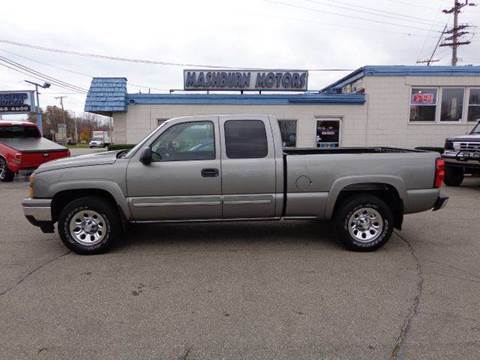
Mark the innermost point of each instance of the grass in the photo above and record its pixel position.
(78, 146)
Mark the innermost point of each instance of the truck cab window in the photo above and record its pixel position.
(19, 131)
(186, 141)
(245, 139)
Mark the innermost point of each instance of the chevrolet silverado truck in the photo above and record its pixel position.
(23, 149)
(462, 156)
(225, 168)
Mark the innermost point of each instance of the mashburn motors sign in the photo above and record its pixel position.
(230, 80)
(16, 102)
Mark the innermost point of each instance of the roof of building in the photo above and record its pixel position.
(402, 70)
(107, 95)
(245, 99)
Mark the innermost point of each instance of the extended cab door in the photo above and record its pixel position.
(184, 179)
(248, 167)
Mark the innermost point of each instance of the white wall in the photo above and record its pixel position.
(141, 119)
(388, 111)
(383, 120)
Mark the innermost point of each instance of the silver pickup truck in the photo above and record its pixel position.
(223, 168)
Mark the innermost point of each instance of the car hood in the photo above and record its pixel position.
(466, 138)
(102, 158)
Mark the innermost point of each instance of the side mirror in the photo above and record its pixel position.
(146, 156)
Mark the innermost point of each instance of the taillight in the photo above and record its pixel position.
(439, 173)
(18, 158)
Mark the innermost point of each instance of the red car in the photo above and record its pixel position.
(23, 149)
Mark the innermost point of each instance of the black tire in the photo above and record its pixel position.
(111, 224)
(6, 175)
(344, 221)
(453, 176)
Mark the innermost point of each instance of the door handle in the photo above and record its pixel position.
(209, 172)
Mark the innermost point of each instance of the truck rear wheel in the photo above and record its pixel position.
(89, 225)
(453, 176)
(364, 222)
(6, 175)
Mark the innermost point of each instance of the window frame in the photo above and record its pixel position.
(438, 105)
(468, 104)
(462, 118)
(245, 158)
(183, 123)
(437, 96)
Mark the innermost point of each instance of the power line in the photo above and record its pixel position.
(43, 76)
(372, 11)
(411, 4)
(116, 58)
(345, 15)
(144, 61)
(90, 76)
(38, 75)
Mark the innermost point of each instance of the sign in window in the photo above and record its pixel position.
(423, 103)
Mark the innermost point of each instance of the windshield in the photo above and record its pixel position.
(97, 139)
(476, 129)
(18, 131)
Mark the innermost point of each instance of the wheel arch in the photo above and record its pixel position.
(66, 193)
(386, 191)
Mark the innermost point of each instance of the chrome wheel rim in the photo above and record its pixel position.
(365, 225)
(87, 227)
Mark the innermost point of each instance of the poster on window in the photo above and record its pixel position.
(328, 134)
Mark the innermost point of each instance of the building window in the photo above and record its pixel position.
(452, 104)
(474, 105)
(288, 128)
(423, 103)
(245, 139)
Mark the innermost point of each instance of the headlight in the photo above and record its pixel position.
(31, 192)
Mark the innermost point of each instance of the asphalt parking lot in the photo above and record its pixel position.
(244, 290)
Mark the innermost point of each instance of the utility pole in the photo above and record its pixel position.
(457, 30)
(63, 113)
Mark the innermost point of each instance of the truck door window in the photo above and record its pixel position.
(246, 139)
(186, 141)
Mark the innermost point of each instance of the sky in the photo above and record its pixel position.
(287, 34)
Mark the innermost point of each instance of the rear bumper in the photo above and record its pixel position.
(440, 203)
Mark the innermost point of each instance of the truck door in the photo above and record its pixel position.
(184, 179)
(248, 167)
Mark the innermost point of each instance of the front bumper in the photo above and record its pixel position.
(39, 213)
(440, 203)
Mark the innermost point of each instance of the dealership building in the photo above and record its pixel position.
(401, 106)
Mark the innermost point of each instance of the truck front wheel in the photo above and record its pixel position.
(453, 176)
(6, 175)
(89, 225)
(363, 222)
